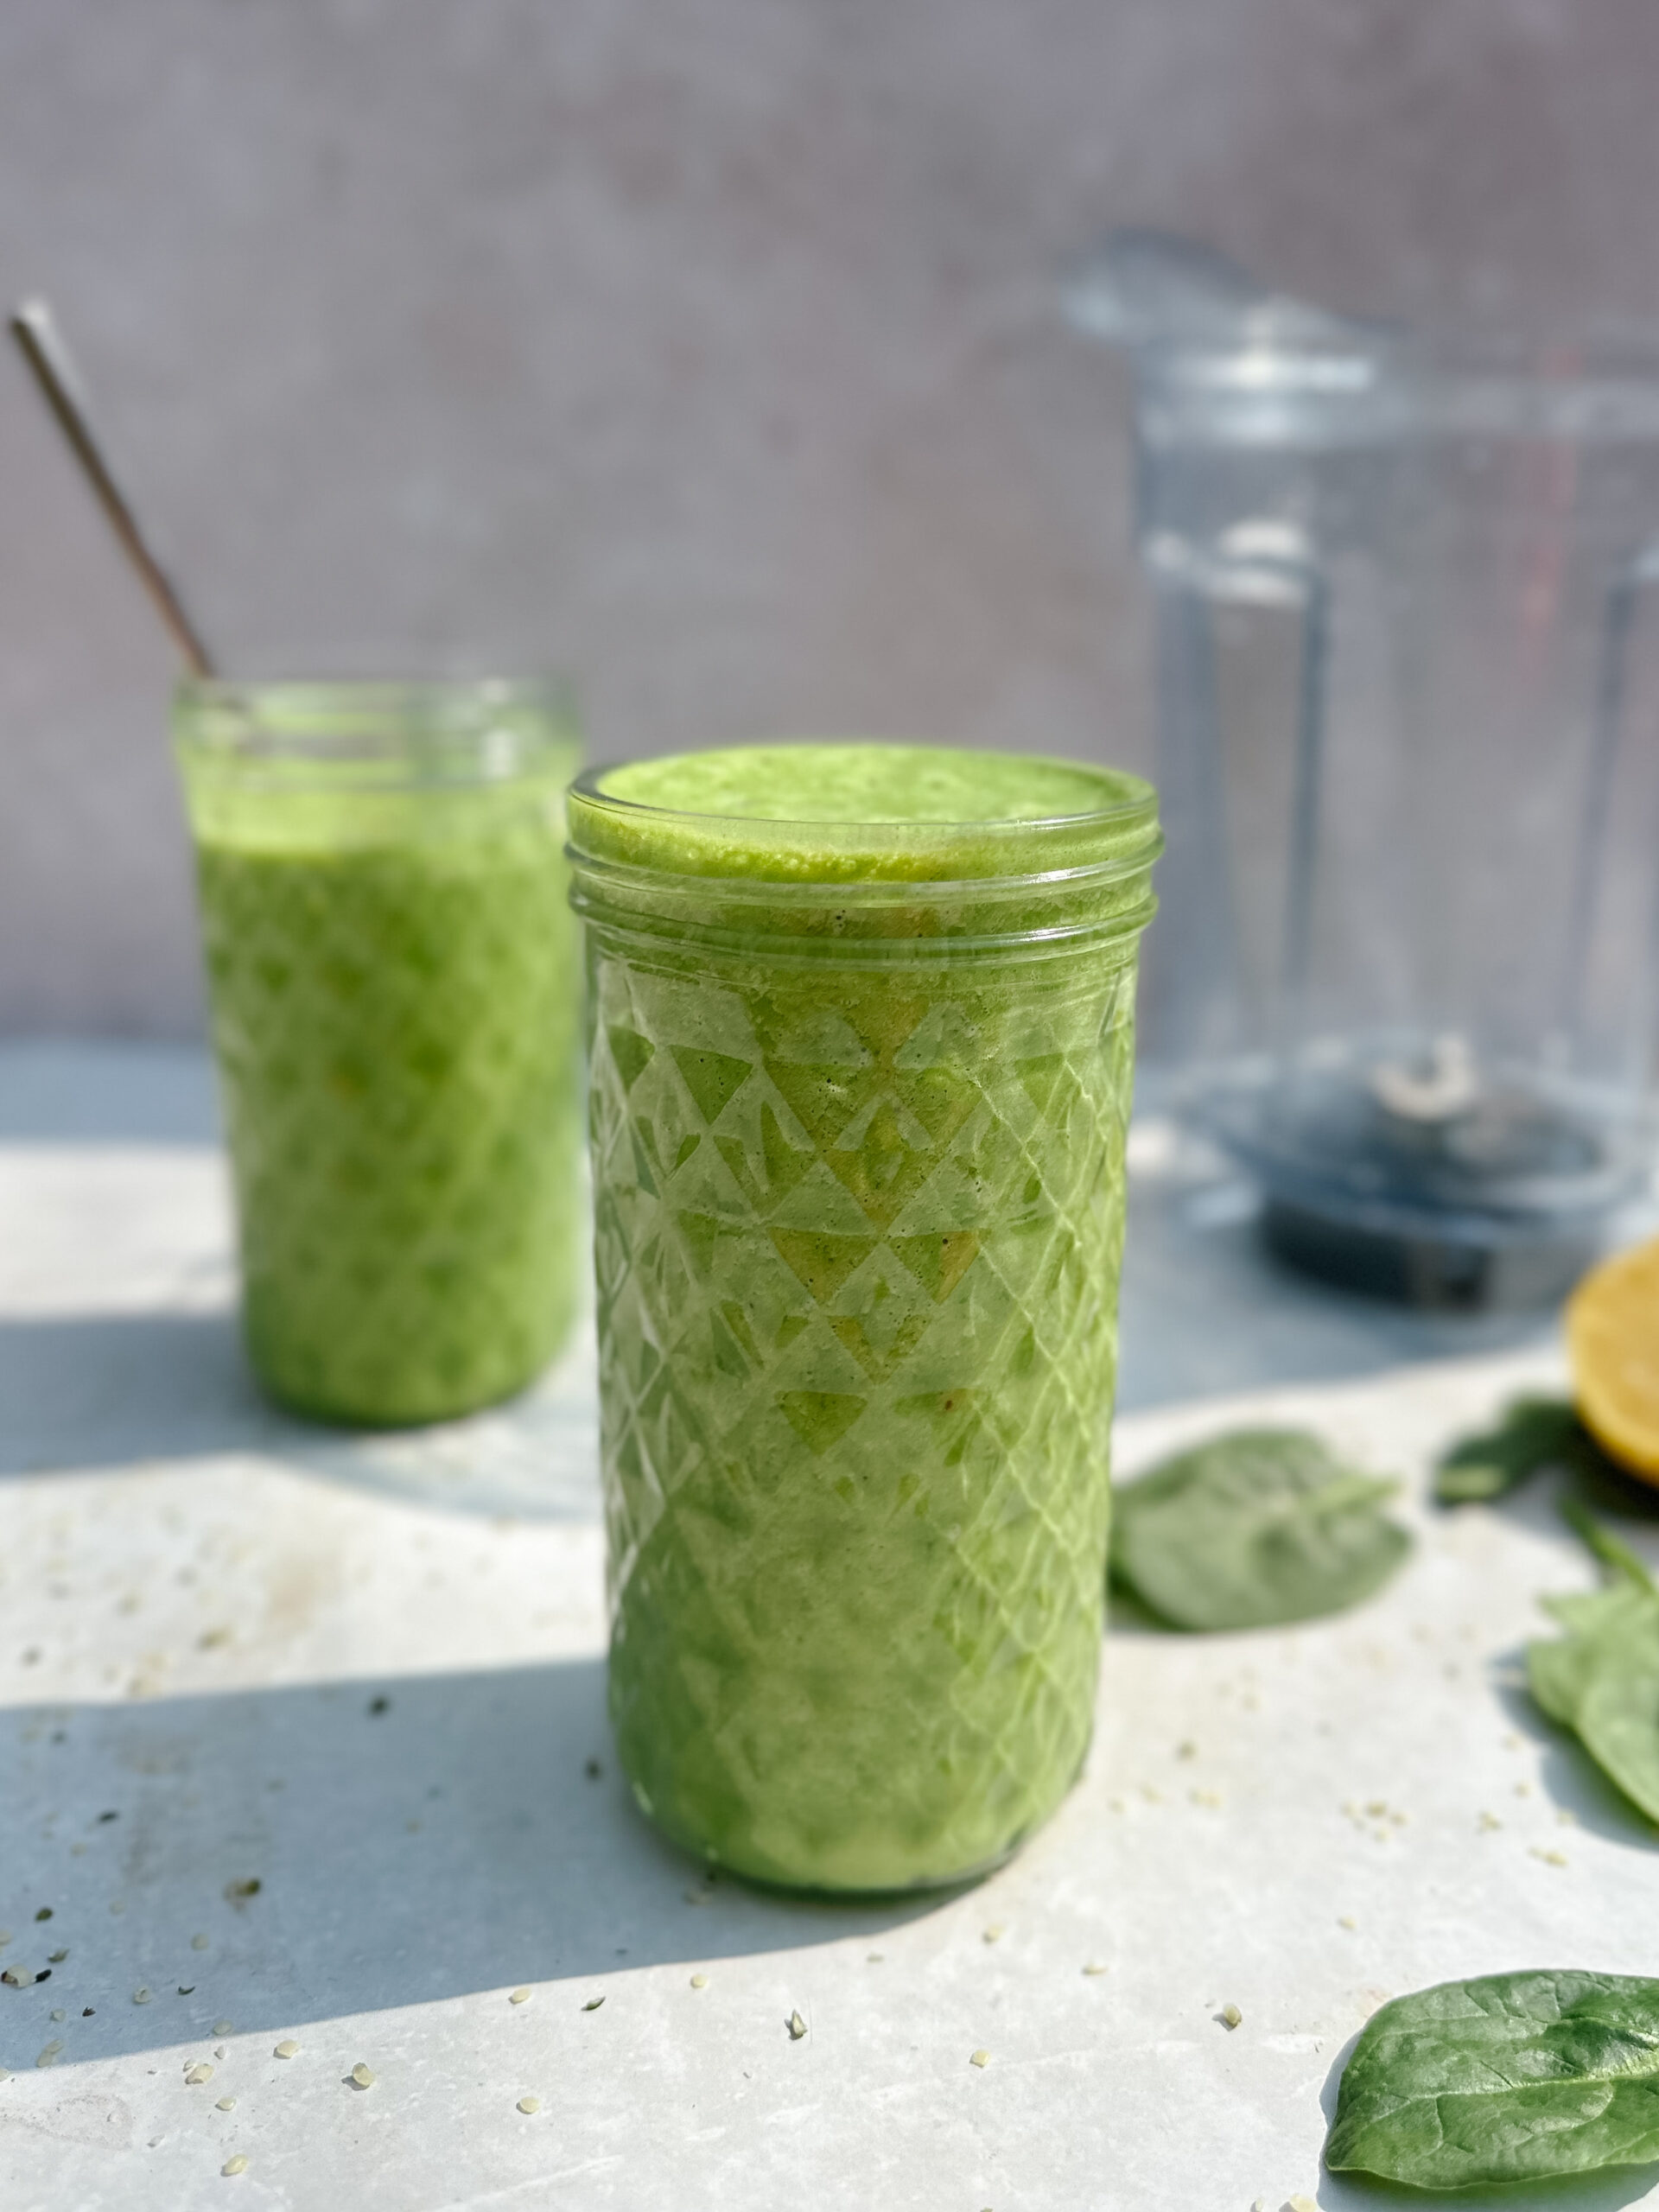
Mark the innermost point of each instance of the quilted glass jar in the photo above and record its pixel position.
(393, 991)
(861, 1034)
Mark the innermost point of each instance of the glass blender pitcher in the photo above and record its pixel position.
(1407, 685)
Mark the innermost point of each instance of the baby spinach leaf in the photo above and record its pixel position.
(1252, 1529)
(1601, 1677)
(1513, 2077)
(1617, 1718)
(1615, 1555)
(1532, 1432)
(1559, 1669)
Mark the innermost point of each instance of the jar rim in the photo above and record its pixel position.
(804, 856)
(388, 731)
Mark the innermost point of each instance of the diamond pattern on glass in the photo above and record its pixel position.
(396, 1034)
(858, 1234)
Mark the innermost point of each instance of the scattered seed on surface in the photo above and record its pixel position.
(1376, 1807)
(1211, 1798)
(226, 2104)
(1301, 2203)
(1566, 1818)
(187, 1988)
(699, 1981)
(48, 2057)
(109, 1816)
(519, 1997)
(238, 2164)
(198, 1942)
(287, 2048)
(239, 1892)
(45, 1913)
(1347, 1920)
(1550, 1858)
(222, 2028)
(87, 2011)
(1524, 1789)
(1489, 1820)
(874, 1958)
(361, 2076)
(1187, 1751)
(18, 1977)
(995, 1933)
(59, 2013)
(797, 2027)
(1094, 1967)
(141, 1997)
(980, 2058)
(593, 2004)
(195, 2075)
(530, 2104)
(1231, 2016)
(58, 1957)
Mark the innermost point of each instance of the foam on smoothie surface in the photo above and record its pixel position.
(951, 813)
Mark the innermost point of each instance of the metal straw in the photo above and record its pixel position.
(43, 348)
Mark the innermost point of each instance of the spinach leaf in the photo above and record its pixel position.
(1559, 1670)
(1614, 1554)
(1252, 1529)
(1601, 1677)
(1513, 2077)
(1532, 1432)
(1617, 1718)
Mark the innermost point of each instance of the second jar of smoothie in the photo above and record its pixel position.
(393, 987)
(861, 1040)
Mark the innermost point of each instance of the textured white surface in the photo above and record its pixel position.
(200, 1603)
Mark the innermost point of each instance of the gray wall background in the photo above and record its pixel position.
(705, 349)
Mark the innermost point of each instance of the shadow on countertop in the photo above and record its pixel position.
(114, 1390)
(80, 1090)
(344, 1848)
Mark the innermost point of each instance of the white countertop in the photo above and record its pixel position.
(203, 1604)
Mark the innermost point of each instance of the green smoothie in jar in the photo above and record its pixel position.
(861, 1023)
(393, 990)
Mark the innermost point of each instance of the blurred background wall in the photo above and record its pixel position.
(706, 349)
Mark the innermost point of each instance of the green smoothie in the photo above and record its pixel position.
(862, 1039)
(391, 971)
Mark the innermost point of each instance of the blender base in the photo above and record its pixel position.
(1431, 1273)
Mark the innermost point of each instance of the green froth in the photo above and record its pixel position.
(830, 813)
